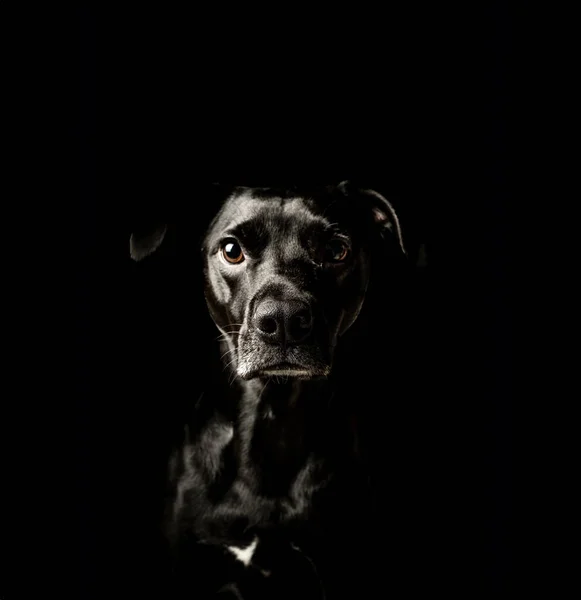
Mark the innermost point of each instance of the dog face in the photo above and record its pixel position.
(286, 275)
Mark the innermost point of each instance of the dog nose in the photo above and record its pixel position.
(277, 321)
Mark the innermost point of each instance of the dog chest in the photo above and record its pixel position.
(222, 495)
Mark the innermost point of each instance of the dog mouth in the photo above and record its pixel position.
(302, 361)
(286, 370)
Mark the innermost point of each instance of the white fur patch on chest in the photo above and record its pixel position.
(244, 554)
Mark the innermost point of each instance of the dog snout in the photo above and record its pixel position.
(283, 321)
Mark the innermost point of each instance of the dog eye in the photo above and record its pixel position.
(232, 251)
(336, 251)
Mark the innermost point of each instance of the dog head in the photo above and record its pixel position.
(286, 273)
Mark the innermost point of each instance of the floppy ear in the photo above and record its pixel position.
(383, 213)
(145, 241)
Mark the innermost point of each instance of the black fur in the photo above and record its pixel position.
(279, 460)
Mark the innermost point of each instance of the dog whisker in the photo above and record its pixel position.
(224, 338)
(229, 363)
(263, 390)
(229, 351)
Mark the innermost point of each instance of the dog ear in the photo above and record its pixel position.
(145, 241)
(383, 213)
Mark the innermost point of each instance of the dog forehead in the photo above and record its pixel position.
(268, 211)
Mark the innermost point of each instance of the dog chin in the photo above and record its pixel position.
(257, 360)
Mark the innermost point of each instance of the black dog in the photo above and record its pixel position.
(265, 486)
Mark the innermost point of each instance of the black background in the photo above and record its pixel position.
(412, 102)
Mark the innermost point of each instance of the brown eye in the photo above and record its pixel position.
(232, 251)
(336, 251)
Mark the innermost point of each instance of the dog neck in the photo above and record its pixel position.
(276, 397)
(291, 408)
(279, 427)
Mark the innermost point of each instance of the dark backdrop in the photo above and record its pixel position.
(411, 102)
